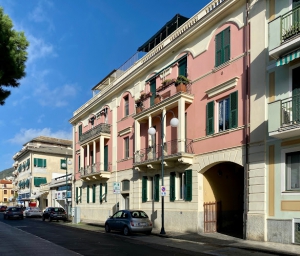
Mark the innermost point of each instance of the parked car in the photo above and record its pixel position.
(3, 208)
(129, 221)
(54, 213)
(13, 213)
(33, 212)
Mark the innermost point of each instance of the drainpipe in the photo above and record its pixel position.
(247, 111)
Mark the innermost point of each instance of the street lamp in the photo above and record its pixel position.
(174, 123)
(65, 166)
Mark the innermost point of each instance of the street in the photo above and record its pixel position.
(35, 237)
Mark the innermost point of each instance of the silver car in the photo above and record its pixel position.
(33, 212)
(129, 221)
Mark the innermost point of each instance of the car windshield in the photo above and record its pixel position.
(14, 209)
(138, 214)
(57, 210)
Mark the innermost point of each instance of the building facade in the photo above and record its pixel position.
(38, 162)
(7, 193)
(283, 144)
(211, 164)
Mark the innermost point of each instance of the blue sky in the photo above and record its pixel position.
(73, 45)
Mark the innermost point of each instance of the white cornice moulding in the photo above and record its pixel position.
(125, 131)
(222, 87)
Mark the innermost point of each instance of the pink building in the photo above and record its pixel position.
(204, 157)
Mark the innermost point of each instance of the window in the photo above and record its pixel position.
(227, 114)
(103, 192)
(126, 147)
(80, 195)
(38, 162)
(12, 192)
(125, 185)
(126, 106)
(5, 199)
(293, 171)
(5, 192)
(37, 181)
(94, 193)
(63, 161)
(153, 91)
(87, 193)
(182, 67)
(172, 186)
(76, 195)
(78, 163)
(222, 47)
(79, 131)
(181, 186)
(144, 188)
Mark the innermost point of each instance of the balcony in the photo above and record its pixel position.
(284, 118)
(94, 132)
(165, 96)
(150, 158)
(96, 171)
(284, 33)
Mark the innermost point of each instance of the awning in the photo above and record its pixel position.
(287, 58)
(38, 195)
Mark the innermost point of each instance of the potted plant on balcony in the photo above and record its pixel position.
(138, 105)
(181, 83)
(157, 98)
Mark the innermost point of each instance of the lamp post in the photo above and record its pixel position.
(65, 166)
(174, 123)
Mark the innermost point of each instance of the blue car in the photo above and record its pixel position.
(129, 221)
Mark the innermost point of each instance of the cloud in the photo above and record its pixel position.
(58, 97)
(40, 118)
(38, 49)
(25, 136)
(19, 101)
(39, 14)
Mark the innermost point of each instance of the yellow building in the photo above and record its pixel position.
(6, 191)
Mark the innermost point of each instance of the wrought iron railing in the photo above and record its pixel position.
(100, 128)
(155, 152)
(290, 24)
(290, 110)
(95, 168)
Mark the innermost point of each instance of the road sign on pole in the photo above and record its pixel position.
(163, 191)
(117, 188)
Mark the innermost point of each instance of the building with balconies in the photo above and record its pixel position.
(38, 162)
(7, 193)
(213, 171)
(283, 87)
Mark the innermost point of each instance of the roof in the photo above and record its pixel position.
(51, 140)
(5, 182)
(165, 31)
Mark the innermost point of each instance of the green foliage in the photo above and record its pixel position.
(182, 80)
(13, 55)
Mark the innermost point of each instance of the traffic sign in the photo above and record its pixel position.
(163, 191)
(117, 187)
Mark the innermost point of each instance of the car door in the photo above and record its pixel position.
(115, 220)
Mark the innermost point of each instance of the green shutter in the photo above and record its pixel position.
(44, 163)
(28, 162)
(94, 193)
(105, 197)
(219, 47)
(79, 131)
(182, 67)
(76, 195)
(37, 181)
(156, 188)
(87, 193)
(210, 118)
(79, 163)
(188, 185)
(35, 162)
(172, 186)
(153, 90)
(105, 158)
(63, 161)
(226, 44)
(144, 189)
(233, 117)
(80, 195)
(101, 193)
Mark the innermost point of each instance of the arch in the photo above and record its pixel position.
(119, 99)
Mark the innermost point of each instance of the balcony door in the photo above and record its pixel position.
(105, 158)
(296, 95)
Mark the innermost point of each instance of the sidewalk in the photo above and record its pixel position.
(217, 239)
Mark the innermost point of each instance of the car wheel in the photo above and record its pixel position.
(126, 231)
(43, 218)
(107, 228)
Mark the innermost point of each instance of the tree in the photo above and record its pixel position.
(13, 55)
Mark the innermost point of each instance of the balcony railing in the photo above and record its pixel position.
(94, 168)
(163, 93)
(154, 152)
(100, 128)
(290, 24)
(290, 110)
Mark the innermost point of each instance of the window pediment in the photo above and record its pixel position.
(222, 87)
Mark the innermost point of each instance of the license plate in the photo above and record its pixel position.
(16, 215)
(142, 224)
(58, 216)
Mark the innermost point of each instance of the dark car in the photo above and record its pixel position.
(3, 208)
(129, 221)
(13, 213)
(55, 213)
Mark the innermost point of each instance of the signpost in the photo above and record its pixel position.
(117, 188)
(163, 191)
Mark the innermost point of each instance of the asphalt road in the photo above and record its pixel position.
(35, 237)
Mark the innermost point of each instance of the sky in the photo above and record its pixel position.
(74, 44)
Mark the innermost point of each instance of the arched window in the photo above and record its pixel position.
(125, 185)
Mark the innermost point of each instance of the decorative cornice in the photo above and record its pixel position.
(125, 131)
(222, 87)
